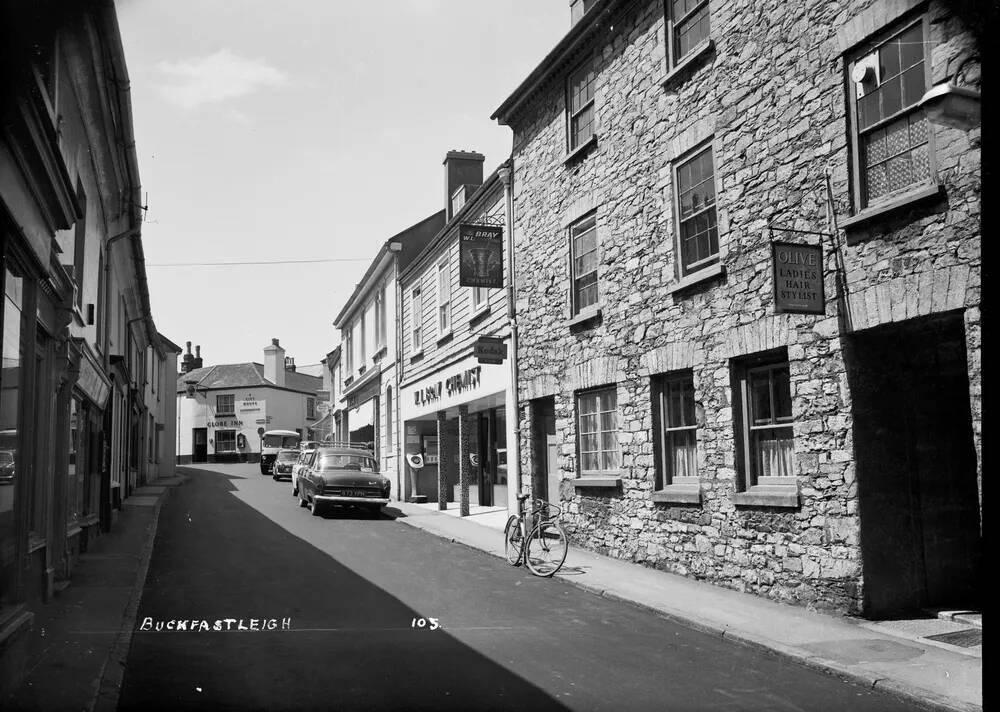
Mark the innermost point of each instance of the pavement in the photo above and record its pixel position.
(81, 637)
(895, 657)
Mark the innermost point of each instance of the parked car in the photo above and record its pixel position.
(343, 476)
(303, 463)
(6, 466)
(283, 463)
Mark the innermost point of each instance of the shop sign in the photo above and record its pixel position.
(480, 251)
(225, 423)
(451, 386)
(250, 405)
(489, 349)
(363, 394)
(798, 279)
(92, 382)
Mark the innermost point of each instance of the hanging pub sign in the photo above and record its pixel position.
(480, 249)
(798, 279)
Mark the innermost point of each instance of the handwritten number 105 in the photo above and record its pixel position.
(429, 623)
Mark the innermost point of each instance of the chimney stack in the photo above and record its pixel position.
(274, 364)
(197, 356)
(578, 8)
(187, 362)
(460, 168)
(289, 364)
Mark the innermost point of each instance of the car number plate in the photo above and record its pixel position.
(354, 493)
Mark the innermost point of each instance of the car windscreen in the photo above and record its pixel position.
(288, 456)
(332, 461)
(288, 441)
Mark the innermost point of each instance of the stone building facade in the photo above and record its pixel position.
(660, 151)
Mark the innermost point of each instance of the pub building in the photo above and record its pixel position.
(750, 351)
(455, 405)
(223, 410)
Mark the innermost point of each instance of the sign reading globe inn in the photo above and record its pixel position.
(798, 279)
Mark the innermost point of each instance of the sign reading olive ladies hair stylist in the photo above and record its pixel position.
(480, 256)
(798, 279)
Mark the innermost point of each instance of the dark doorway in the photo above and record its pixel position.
(199, 451)
(921, 541)
(544, 481)
(486, 439)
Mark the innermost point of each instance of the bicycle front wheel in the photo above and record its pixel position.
(512, 541)
(546, 549)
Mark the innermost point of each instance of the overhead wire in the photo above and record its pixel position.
(262, 262)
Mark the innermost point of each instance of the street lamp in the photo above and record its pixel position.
(953, 102)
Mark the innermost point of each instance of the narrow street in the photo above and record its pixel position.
(232, 544)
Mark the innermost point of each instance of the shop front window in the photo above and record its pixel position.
(10, 400)
(74, 473)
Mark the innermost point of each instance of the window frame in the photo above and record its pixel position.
(572, 237)
(743, 372)
(349, 349)
(707, 263)
(381, 317)
(416, 320)
(672, 24)
(590, 63)
(219, 400)
(665, 477)
(581, 473)
(227, 432)
(861, 203)
(443, 310)
(310, 408)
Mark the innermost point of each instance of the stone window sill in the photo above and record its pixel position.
(378, 355)
(348, 381)
(694, 56)
(586, 315)
(681, 494)
(904, 200)
(416, 356)
(601, 481)
(479, 313)
(702, 275)
(580, 150)
(768, 496)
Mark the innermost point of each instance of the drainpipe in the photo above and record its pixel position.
(396, 248)
(506, 173)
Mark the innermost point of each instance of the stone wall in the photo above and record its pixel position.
(770, 96)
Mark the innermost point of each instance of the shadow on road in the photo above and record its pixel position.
(350, 645)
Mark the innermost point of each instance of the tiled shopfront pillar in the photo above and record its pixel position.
(445, 459)
(465, 425)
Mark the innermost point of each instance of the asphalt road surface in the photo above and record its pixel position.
(342, 593)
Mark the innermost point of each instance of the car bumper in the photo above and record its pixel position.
(337, 499)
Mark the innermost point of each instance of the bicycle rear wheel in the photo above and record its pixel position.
(546, 549)
(512, 541)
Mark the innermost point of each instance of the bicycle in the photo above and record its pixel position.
(536, 538)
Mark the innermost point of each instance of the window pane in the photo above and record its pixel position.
(760, 398)
(911, 46)
(892, 96)
(609, 460)
(590, 462)
(586, 291)
(782, 394)
(682, 454)
(609, 441)
(913, 85)
(772, 452)
(889, 60)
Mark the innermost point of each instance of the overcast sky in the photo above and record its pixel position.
(305, 129)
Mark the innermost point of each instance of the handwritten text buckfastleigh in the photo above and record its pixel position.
(201, 626)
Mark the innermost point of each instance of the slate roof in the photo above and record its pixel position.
(245, 375)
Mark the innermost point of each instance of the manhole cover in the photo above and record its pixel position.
(962, 638)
